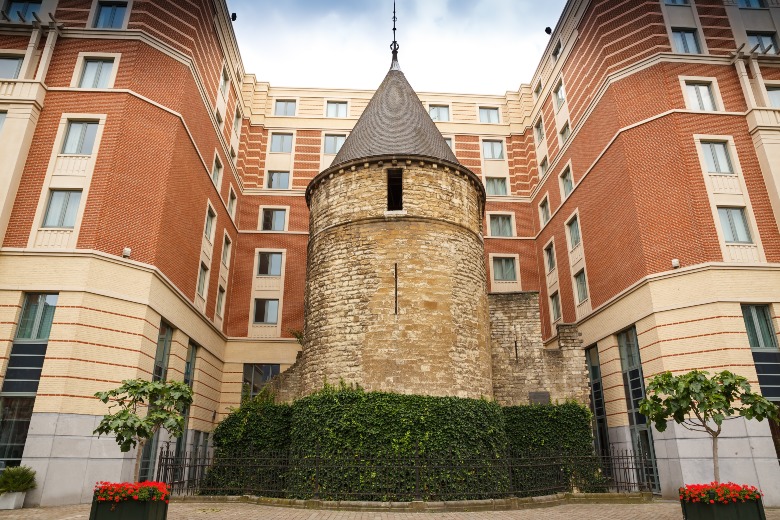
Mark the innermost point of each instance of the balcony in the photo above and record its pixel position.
(764, 118)
(725, 183)
(742, 253)
(22, 91)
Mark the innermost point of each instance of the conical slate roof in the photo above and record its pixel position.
(395, 122)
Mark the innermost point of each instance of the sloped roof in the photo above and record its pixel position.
(395, 122)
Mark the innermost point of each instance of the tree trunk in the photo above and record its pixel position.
(138, 457)
(715, 466)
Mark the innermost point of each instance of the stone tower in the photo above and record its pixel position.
(396, 291)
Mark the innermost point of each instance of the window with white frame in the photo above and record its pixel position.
(560, 96)
(62, 208)
(676, 2)
(751, 4)
(567, 182)
(685, 41)
(488, 115)
(2, 120)
(80, 137)
(231, 206)
(273, 219)
(220, 300)
(716, 156)
(538, 90)
(439, 112)
(208, 230)
(556, 53)
(549, 257)
(278, 181)
(495, 186)
(574, 232)
(734, 225)
(237, 122)
(284, 107)
(774, 96)
(203, 275)
(110, 15)
(281, 143)
(501, 225)
(555, 306)
(492, 150)
(448, 140)
(216, 171)
(544, 211)
(700, 96)
(226, 247)
(269, 264)
(266, 311)
(504, 269)
(565, 132)
(336, 109)
(10, 66)
(582, 286)
(543, 166)
(333, 143)
(224, 81)
(765, 42)
(96, 73)
(22, 12)
(539, 130)
(758, 323)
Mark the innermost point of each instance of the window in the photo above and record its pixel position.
(216, 171)
(284, 107)
(220, 300)
(543, 166)
(544, 211)
(224, 81)
(774, 96)
(676, 2)
(539, 130)
(278, 181)
(273, 219)
(232, 203)
(210, 218)
(281, 143)
(555, 306)
(62, 209)
(80, 138)
(488, 115)
(269, 264)
(37, 316)
(758, 322)
(219, 119)
(448, 140)
(754, 4)
(439, 112)
(549, 257)
(202, 277)
(395, 190)
(256, 376)
(96, 74)
(336, 109)
(538, 90)
(23, 11)
(734, 224)
(2, 120)
(716, 155)
(560, 96)
(333, 143)
(582, 286)
(700, 96)
(597, 406)
(237, 122)
(574, 232)
(685, 41)
(495, 185)
(266, 311)
(565, 132)
(189, 364)
(504, 269)
(765, 41)
(493, 149)
(567, 182)
(226, 245)
(501, 225)
(10, 67)
(556, 53)
(110, 15)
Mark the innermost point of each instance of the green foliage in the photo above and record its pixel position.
(165, 402)
(17, 479)
(542, 429)
(257, 426)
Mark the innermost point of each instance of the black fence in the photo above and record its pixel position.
(417, 477)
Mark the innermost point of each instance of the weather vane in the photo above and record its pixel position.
(394, 46)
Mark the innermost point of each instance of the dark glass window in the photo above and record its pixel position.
(110, 15)
(395, 191)
(256, 375)
(162, 353)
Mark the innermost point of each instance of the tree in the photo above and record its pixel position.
(165, 402)
(701, 403)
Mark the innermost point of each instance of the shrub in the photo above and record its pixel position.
(17, 479)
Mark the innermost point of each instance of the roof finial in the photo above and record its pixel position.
(394, 46)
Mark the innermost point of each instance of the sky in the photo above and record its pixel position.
(452, 46)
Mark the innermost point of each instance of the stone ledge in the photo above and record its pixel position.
(500, 504)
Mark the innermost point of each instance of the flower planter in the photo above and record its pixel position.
(128, 510)
(130, 501)
(12, 500)
(748, 510)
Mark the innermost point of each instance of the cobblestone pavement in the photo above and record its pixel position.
(658, 510)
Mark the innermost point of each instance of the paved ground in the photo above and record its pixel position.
(660, 510)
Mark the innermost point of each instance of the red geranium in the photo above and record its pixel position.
(722, 493)
(140, 491)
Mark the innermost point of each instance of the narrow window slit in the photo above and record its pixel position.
(395, 190)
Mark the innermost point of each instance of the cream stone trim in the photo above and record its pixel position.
(335, 100)
(447, 104)
(510, 214)
(551, 277)
(674, 18)
(494, 167)
(93, 13)
(577, 264)
(326, 159)
(499, 286)
(542, 222)
(225, 235)
(78, 71)
(273, 100)
(717, 99)
(232, 213)
(568, 166)
(260, 218)
(270, 288)
(489, 106)
(218, 181)
(212, 234)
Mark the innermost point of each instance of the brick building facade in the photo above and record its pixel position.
(154, 220)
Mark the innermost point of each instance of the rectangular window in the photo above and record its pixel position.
(544, 211)
(269, 264)
(62, 209)
(2, 120)
(395, 190)
(110, 15)
(14, 424)
(189, 364)
(10, 67)
(685, 41)
(700, 96)
(278, 181)
(567, 182)
(488, 115)
(266, 311)
(226, 245)
(37, 316)
(538, 90)
(539, 130)
(754, 4)
(162, 353)
(565, 132)
(758, 323)
(774, 96)
(23, 11)
(202, 278)
(555, 306)
(273, 219)
(80, 137)
(734, 225)
(582, 286)
(495, 185)
(543, 166)
(220, 300)
(237, 122)
(574, 232)
(24, 370)
(501, 225)
(216, 171)
(560, 96)
(504, 269)
(597, 406)
(224, 81)
(439, 112)
(232, 203)
(336, 109)
(493, 149)
(333, 143)
(676, 2)
(549, 257)
(96, 73)
(256, 376)
(210, 218)
(281, 143)
(448, 140)
(284, 107)
(716, 155)
(556, 53)
(765, 42)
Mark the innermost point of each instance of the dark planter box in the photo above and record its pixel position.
(750, 510)
(131, 510)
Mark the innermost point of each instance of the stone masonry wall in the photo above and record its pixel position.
(521, 363)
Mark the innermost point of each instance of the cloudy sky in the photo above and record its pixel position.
(457, 46)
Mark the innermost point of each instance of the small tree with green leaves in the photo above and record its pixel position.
(165, 403)
(701, 403)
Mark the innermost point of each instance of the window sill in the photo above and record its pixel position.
(395, 213)
(268, 276)
(272, 230)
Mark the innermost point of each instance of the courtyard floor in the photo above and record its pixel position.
(657, 510)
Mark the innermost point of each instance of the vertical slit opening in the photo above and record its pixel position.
(395, 191)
